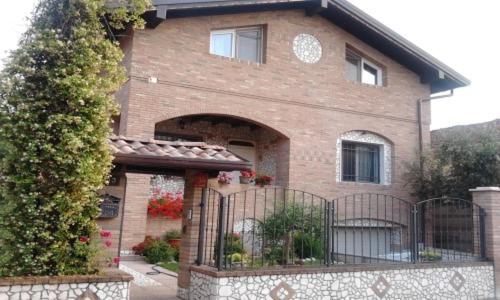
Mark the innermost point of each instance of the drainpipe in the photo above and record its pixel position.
(419, 116)
(420, 125)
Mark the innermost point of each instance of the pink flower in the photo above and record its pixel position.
(116, 260)
(107, 243)
(105, 234)
(84, 239)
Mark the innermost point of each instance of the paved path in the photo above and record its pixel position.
(150, 287)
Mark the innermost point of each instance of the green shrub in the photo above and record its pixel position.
(173, 234)
(56, 103)
(274, 255)
(232, 244)
(158, 251)
(307, 245)
(456, 164)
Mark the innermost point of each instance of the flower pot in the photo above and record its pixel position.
(175, 243)
(244, 180)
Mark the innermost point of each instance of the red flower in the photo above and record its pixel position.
(107, 243)
(116, 260)
(84, 239)
(166, 205)
(248, 173)
(105, 234)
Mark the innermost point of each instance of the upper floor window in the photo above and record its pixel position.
(360, 69)
(240, 43)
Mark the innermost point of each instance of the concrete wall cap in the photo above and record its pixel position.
(486, 189)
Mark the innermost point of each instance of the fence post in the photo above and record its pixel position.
(482, 239)
(414, 234)
(488, 199)
(328, 233)
(220, 234)
(201, 234)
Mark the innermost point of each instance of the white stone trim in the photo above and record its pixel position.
(486, 189)
(450, 282)
(369, 138)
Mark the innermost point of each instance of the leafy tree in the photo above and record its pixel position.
(293, 227)
(457, 164)
(55, 108)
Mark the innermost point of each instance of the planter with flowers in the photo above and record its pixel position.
(173, 238)
(263, 180)
(247, 176)
(165, 204)
(224, 178)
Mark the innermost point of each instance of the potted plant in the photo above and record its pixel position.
(173, 238)
(263, 180)
(430, 255)
(247, 176)
(224, 178)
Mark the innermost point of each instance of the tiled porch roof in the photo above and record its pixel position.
(154, 153)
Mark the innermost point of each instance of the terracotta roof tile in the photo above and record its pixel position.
(195, 151)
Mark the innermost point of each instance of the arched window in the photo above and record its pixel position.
(363, 156)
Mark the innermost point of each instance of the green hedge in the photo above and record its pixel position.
(55, 108)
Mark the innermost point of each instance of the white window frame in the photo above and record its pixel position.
(363, 61)
(374, 66)
(233, 32)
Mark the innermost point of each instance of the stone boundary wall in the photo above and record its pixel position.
(471, 280)
(112, 285)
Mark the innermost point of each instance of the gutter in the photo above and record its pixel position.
(420, 122)
(397, 39)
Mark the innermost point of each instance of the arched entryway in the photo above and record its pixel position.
(266, 148)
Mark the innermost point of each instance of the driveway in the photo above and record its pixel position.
(149, 286)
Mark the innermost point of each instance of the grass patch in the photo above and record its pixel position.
(172, 266)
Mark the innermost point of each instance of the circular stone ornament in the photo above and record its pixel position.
(307, 48)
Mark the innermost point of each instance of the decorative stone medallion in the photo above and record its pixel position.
(307, 48)
(381, 287)
(457, 281)
(282, 291)
(88, 295)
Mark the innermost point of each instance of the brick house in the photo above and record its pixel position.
(315, 93)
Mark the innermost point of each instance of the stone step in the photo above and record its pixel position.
(131, 258)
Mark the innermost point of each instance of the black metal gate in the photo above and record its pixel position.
(448, 229)
(266, 227)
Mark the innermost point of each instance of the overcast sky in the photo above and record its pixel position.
(463, 34)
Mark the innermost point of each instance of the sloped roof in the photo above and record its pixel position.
(340, 12)
(154, 153)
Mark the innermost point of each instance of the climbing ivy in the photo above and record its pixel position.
(56, 102)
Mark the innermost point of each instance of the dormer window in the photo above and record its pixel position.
(362, 70)
(240, 43)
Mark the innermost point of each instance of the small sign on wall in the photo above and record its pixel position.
(200, 180)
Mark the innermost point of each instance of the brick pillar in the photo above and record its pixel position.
(135, 212)
(195, 181)
(489, 199)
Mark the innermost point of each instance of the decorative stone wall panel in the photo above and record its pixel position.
(67, 291)
(474, 282)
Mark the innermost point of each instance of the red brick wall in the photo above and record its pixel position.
(311, 104)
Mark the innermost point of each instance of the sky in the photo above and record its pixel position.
(463, 34)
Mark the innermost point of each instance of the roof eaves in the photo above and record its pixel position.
(399, 40)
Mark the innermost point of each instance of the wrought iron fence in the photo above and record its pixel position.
(268, 227)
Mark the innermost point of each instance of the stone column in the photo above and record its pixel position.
(135, 212)
(489, 199)
(195, 181)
